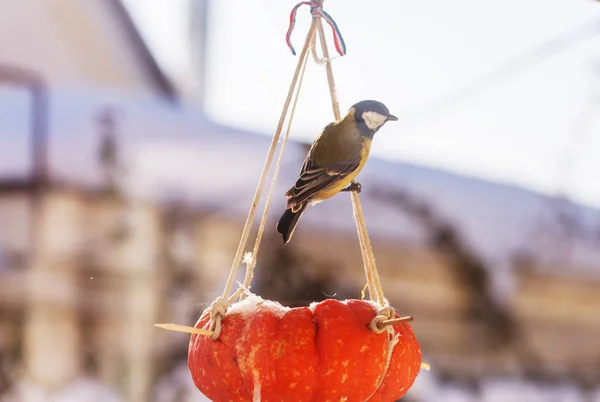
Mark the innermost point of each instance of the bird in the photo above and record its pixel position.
(334, 159)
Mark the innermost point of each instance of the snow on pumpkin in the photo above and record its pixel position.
(325, 352)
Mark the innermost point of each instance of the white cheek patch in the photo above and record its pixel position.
(374, 120)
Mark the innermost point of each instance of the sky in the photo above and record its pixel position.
(497, 90)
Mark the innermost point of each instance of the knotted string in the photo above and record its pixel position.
(316, 10)
(218, 309)
(384, 313)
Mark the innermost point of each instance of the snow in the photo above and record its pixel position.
(373, 304)
(500, 390)
(428, 388)
(452, 393)
(178, 386)
(254, 302)
(81, 390)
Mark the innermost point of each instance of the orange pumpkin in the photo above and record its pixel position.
(325, 352)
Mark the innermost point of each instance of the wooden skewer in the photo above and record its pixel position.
(394, 321)
(426, 366)
(198, 331)
(182, 328)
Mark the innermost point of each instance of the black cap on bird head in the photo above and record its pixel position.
(371, 115)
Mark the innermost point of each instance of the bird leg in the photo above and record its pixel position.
(354, 186)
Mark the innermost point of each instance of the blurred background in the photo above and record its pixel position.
(133, 133)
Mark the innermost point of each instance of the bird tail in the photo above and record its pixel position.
(288, 221)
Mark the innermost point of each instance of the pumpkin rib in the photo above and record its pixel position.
(316, 340)
(235, 356)
(239, 371)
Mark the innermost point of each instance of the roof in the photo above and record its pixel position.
(140, 47)
(178, 152)
(84, 43)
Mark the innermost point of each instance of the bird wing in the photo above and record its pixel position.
(331, 157)
(314, 178)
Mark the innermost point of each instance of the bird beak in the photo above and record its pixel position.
(392, 117)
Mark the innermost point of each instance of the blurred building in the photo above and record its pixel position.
(49, 319)
(129, 216)
(88, 42)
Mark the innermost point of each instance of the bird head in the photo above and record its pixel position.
(371, 115)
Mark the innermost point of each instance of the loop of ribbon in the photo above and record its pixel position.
(316, 10)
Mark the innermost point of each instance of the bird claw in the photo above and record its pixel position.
(353, 187)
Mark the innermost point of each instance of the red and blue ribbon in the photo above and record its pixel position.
(316, 10)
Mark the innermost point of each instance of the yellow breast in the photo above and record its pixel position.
(337, 186)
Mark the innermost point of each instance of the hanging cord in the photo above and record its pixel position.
(317, 13)
(267, 166)
(373, 281)
(384, 320)
(218, 308)
(252, 263)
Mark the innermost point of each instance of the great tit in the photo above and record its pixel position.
(335, 158)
